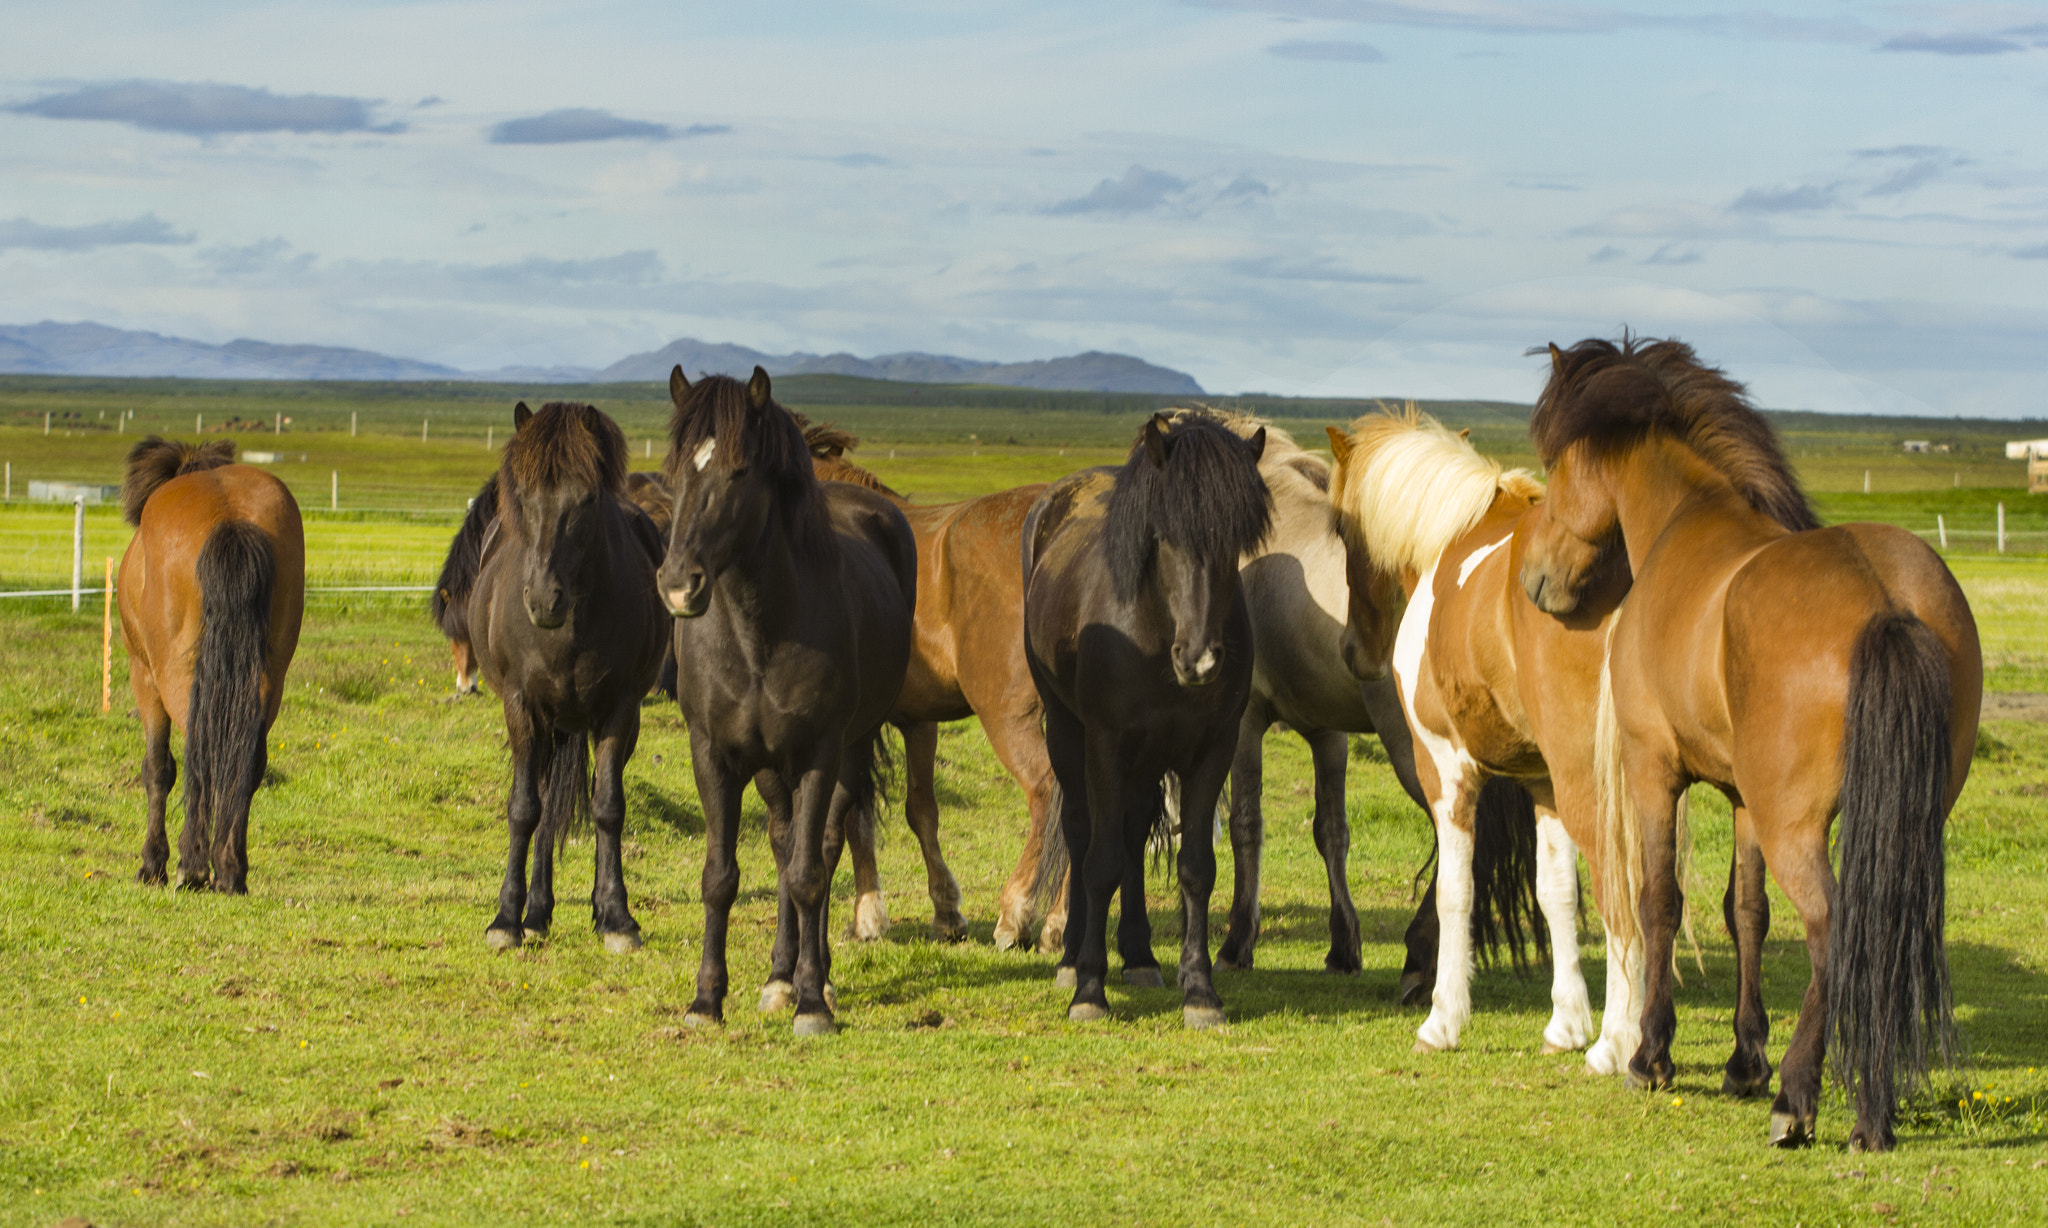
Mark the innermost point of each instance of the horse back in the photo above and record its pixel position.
(970, 603)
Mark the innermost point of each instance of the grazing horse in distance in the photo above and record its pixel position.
(568, 632)
(1492, 688)
(794, 600)
(212, 588)
(1805, 672)
(1141, 647)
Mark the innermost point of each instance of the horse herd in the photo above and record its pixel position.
(1549, 668)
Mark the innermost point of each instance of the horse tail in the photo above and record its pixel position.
(1504, 875)
(565, 794)
(1887, 974)
(1619, 825)
(877, 765)
(1051, 871)
(225, 755)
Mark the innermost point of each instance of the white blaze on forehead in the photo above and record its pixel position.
(704, 451)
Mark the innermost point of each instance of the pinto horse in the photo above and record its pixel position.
(793, 602)
(1806, 672)
(212, 588)
(1140, 644)
(1492, 689)
(568, 632)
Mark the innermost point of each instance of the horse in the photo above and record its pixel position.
(793, 603)
(568, 632)
(449, 606)
(1139, 642)
(649, 492)
(1806, 672)
(1492, 688)
(212, 588)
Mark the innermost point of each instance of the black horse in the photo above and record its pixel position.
(1140, 644)
(793, 601)
(567, 629)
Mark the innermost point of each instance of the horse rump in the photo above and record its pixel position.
(225, 755)
(156, 460)
(1887, 972)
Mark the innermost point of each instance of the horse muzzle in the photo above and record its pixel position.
(548, 613)
(691, 598)
(1546, 592)
(1201, 670)
(1362, 666)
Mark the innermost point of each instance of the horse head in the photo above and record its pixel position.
(1571, 535)
(561, 465)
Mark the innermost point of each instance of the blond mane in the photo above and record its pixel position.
(1408, 487)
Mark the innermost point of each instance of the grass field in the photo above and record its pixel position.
(340, 1047)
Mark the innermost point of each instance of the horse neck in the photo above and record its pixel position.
(1662, 480)
(763, 588)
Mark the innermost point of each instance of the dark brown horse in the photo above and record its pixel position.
(1141, 647)
(568, 632)
(212, 588)
(449, 606)
(793, 601)
(1806, 672)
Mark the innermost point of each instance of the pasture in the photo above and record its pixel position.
(340, 1046)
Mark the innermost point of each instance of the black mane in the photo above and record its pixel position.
(450, 603)
(770, 440)
(1207, 500)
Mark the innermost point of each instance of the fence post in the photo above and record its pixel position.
(423, 430)
(46, 422)
(334, 490)
(2001, 528)
(1941, 527)
(10, 481)
(107, 642)
(351, 424)
(198, 423)
(490, 436)
(278, 428)
(1866, 481)
(77, 549)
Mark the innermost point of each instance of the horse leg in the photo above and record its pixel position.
(1331, 750)
(1746, 910)
(1019, 745)
(1247, 837)
(779, 993)
(159, 773)
(1418, 971)
(1662, 911)
(870, 912)
(718, 790)
(1134, 921)
(559, 754)
(1451, 1000)
(1797, 853)
(1097, 871)
(921, 811)
(522, 818)
(608, 909)
(1557, 893)
(814, 797)
(1201, 1006)
(1390, 722)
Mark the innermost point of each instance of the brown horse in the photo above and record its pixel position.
(1492, 688)
(212, 588)
(1805, 672)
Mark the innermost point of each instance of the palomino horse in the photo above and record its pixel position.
(793, 601)
(1804, 672)
(568, 632)
(1492, 688)
(1141, 647)
(212, 588)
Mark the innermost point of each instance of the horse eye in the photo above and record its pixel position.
(739, 474)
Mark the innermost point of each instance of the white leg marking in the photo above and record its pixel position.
(870, 917)
(1621, 1021)
(1557, 890)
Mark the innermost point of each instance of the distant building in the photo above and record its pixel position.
(2035, 453)
(67, 492)
(1922, 445)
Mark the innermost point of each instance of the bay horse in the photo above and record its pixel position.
(1140, 644)
(793, 603)
(568, 631)
(1806, 672)
(212, 589)
(1492, 688)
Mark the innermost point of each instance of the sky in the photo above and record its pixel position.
(1845, 205)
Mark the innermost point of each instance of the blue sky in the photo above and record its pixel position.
(1846, 205)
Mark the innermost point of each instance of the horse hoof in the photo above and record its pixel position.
(534, 935)
(1202, 1018)
(1144, 978)
(870, 917)
(1416, 988)
(624, 943)
(1052, 939)
(1064, 977)
(151, 878)
(949, 929)
(1086, 1012)
(1552, 1050)
(1234, 963)
(831, 996)
(700, 1019)
(1008, 937)
(1788, 1131)
(777, 996)
(502, 940)
(815, 1025)
(1423, 1046)
(1745, 1089)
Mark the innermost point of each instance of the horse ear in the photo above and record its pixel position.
(1340, 443)
(1258, 443)
(1466, 434)
(521, 416)
(1155, 439)
(678, 384)
(757, 389)
(1556, 359)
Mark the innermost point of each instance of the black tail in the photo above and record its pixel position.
(1504, 875)
(565, 794)
(1051, 871)
(878, 766)
(224, 749)
(1888, 987)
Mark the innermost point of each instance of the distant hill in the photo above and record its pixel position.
(51, 348)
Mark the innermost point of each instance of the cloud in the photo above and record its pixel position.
(861, 161)
(207, 109)
(1138, 191)
(1674, 253)
(1331, 51)
(265, 256)
(574, 124)
(1506, 17)
(1606, 255)
(1669, 221)
(148, 228)
(1241, 190)
(1318, 268)
(1924, 164)
(2033, 253)
(640, 267)
(1951, 44)
(1805, 198)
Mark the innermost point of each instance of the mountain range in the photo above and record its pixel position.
(50, 348)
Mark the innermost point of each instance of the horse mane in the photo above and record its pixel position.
(1281, 450)
(1207, 500)
(156, 460)
(449, 605)
(770, 439)
(1411, 486)
(650, 493)
(1611, 396)
(829, 446)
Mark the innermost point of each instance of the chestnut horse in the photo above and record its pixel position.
(1492, 689)
(212, 588)
(1805, 672)
(1141, 647)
